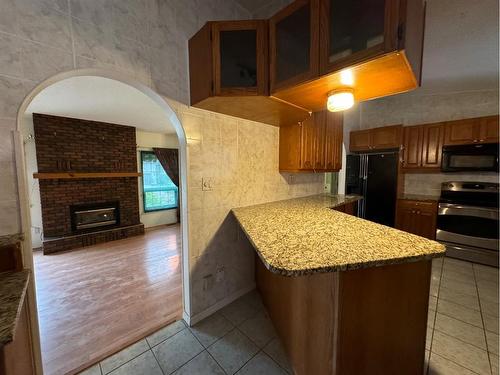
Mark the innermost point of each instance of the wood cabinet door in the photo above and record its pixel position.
(333, 141)
(462, 132)
(319, 140)
(240, 51)
(432, 145)
(355, 31)
(412, 147)
(293, 44)
(425, 225)
(307, 144)
(290, 147)
(359, 140)
(406, 219)
(488, 130)
(385, 137)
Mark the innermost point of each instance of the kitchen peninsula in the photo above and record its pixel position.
(347, 296)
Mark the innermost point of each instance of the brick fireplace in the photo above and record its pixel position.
(69, 147)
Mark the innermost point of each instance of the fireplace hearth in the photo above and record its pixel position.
(94, 216)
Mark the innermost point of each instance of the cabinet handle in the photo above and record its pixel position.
(481, 140)
(475, 141)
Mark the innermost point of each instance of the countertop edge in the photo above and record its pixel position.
(338, 268)
(9, 336)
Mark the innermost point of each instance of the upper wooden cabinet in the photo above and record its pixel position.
(422, 146)
(293, 45)
(312, 145)
(373, 46)
(229, 58)
(473, 130)
(352, 31)
(383, 138)
(229, 73)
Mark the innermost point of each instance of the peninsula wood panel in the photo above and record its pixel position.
(303, 311)
(383, 319)
(363, 322)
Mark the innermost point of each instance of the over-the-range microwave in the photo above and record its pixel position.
(470, 158)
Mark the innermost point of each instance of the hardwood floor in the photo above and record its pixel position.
(97, 300)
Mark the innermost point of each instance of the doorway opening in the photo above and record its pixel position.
(103, 188)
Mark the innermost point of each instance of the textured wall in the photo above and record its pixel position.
(147, 41)
(242, 158)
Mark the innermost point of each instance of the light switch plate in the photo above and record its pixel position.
(207, 183)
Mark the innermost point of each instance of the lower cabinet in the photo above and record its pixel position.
(349, 208)
(417, 217)
(16, 357)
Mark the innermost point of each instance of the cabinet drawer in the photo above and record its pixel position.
(423, 206)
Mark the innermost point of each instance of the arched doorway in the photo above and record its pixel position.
(24, 191)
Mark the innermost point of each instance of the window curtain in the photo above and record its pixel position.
(169, 160)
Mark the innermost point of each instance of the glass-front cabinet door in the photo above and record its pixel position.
(240, 52)
(355, 30)
(294, 33)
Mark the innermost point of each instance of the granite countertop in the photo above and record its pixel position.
(304, 235)
(13, 287)
(420, 197)
(11, 239)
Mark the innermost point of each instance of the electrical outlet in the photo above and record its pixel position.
(219, 274)
(207, 183)
(207, 282)
(291, 178)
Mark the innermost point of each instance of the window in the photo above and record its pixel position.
(159, 192)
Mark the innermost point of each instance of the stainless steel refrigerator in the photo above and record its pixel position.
(375, 177)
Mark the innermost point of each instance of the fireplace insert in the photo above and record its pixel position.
(94, 216)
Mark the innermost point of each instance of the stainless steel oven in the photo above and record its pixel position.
(471, 158)
(468, 221)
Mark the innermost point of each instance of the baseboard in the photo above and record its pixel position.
(216, 307)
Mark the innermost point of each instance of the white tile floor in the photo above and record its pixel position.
(462, 334)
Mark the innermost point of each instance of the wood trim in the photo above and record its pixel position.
(314, 44)
(74, 175)
(261, 52)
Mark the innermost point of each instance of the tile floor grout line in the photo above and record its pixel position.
(459, 339)
(158, 362)
(433, 329)
(272, 359)
(458, 364)
(435, 313)
(482, 320)
(206, 349)
(124, 363)
(252, 340)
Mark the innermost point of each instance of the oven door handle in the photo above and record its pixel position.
(460, 210)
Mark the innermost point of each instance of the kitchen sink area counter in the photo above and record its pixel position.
(306, 235)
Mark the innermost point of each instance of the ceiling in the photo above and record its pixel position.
(101, 99)
(460, 48)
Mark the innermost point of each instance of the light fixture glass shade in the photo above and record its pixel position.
(340, 100)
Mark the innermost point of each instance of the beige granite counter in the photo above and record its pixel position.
(304, 235)
(13, 287)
